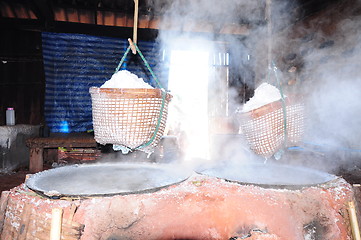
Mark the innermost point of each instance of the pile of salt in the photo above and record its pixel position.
(264, 94)
(125, 79)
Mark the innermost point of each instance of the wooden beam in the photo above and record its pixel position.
(82, 28)
(43, 12)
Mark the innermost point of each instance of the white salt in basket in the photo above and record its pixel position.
(264, 127)
(131, 117)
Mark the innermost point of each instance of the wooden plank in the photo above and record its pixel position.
(38, 144)
(55, 142)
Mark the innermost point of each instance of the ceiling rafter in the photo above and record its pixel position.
(43, 11)
(119, 13)
(12, 6)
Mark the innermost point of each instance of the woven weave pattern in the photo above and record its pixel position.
(129, 117)
(264, 127)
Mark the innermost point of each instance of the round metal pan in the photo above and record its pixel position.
(105, 179)
(268, 175)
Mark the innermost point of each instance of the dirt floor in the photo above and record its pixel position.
(10, 180)
(15, 178)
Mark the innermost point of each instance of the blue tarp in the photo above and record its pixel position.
(75, 62)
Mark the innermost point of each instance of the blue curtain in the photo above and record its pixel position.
(75, 62)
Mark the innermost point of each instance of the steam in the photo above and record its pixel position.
(331, 83)
(321, 65)
(205, 26)
(185, 14)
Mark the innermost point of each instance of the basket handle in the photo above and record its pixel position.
(149, 142)
(164, 94)
(284, 109)
(134, 45)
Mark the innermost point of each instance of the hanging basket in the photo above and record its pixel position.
(131, 117)
(264, 127)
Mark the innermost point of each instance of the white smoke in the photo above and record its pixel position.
(202, 25)
(326, 62)
(334, 81)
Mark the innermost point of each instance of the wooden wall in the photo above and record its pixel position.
(22, 80)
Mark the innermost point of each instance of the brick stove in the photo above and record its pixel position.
(201, 207)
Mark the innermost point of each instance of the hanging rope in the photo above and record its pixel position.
(284, 109)
(134, 48)
(164, 93)
(148, 66)
(144, 60)
(122, 60)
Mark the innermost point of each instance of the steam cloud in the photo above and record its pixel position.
(327, 61)
(211, 18)
(331, 83)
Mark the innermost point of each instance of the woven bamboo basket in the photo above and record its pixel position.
(129, 117)
(264, 127)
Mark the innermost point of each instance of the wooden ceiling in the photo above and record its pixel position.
(115, 17)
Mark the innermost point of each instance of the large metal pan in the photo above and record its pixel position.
(106, 179)
(267, 175)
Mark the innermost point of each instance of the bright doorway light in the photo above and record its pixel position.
(188, 83)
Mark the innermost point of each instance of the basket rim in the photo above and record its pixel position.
(138, 92)
(275, 105)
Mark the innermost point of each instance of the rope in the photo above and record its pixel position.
(164, 94)
(148, 66)
(283, 104)
(123, 59)
(145, 63)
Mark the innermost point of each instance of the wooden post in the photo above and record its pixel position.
(56, 222)
(36, 160)
(353, 221)
(135, 26)
(136, 3)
